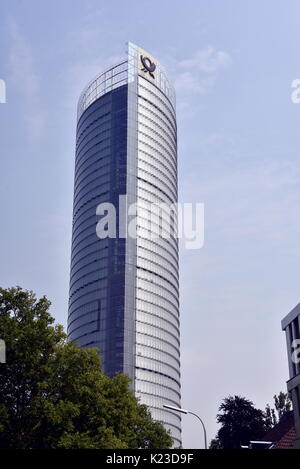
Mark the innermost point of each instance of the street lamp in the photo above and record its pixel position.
(183, 411)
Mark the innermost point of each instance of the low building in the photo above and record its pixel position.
(291, 326)
(282, 435)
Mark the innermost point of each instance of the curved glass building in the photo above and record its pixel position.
(124, 289)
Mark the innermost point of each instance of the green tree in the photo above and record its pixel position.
(283, 405)
(240, 422)
(215, 444)
(54, 394)
(270, 417)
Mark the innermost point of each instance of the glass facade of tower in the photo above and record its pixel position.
(124, 292)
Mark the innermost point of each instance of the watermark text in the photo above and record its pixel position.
(2, 91)
(2, 351)
(184, 221)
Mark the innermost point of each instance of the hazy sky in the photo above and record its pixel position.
(232, 63)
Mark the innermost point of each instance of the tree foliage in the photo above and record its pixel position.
(270, 417)
(240, 422)
(283, 405)
(54, 394)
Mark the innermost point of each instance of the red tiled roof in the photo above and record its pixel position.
(283, 434)
(287, 441)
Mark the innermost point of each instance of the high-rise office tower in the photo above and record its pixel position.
(124, 289)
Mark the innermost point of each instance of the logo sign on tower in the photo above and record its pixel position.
(147, 65)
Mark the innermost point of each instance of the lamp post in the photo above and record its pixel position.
(184, 411)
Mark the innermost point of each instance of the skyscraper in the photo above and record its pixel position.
(124, 290)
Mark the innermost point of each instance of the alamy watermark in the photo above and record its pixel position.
(2, 91)
(2, 351)
(296, 352)
(184, 221)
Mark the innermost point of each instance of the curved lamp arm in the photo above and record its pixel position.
(184, 411)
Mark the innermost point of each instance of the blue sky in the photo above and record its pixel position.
(232, 64)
